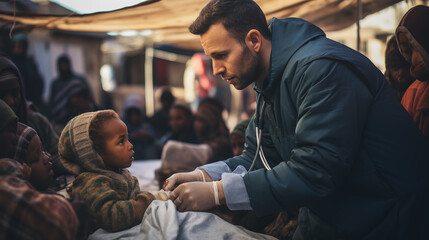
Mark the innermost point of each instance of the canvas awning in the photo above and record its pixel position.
(169, 19)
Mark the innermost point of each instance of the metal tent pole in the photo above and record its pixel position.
(148, 87)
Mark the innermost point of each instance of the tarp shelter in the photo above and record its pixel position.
(169, 19)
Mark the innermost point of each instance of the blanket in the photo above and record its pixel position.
(162, 221)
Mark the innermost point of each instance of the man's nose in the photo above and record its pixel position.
(218, 68)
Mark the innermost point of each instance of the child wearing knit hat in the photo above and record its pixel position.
(94, 146)
(28, 214)
(30, 154)
(238, 137)
(25, 212)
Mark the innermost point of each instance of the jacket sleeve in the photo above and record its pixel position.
(332, 105)
(114, 210)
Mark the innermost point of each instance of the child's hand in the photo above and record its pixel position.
(162, 195)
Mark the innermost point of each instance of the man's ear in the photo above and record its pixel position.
(253, 40)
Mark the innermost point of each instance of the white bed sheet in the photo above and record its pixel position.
(144, 170)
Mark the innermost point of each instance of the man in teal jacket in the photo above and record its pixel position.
(333, 139)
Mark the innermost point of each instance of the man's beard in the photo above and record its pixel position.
(253, 67)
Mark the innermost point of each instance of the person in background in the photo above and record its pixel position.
(182, 131)
(212, 130)
(140, 131)
(397, 69)
(213, 143)
(32, 80)
(12, 92)
(70, 94)
(160, 120)
(94, 146)
(413, 40)
(238, 137)
(29, 153)
(181, 125)
(328, 136)
(26, 213)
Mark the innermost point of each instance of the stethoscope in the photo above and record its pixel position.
(259, 122)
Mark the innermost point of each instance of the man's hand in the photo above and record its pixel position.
(178, 178)
(195, 196)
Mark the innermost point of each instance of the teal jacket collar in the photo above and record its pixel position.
(289, 35)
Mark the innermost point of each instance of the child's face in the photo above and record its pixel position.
(237, 144)
(8, 140)
(178, 120)
(118, 151)
(40, 164)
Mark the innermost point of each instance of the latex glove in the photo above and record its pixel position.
(194, 196)
(178, 178)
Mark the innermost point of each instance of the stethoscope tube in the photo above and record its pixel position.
(259, 150)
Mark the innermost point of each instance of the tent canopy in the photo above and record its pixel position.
(169, 19)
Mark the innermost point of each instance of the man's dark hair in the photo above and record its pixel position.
(237, 16)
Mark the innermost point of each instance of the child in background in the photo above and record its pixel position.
(29, 153)
(181, 124)
(211, 129)
(28, 214)
(140, 131)
(12, 92)
(238, 135)
(94, 146)
(24, 212)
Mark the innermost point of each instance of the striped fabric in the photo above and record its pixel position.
(25, 134)
(27, 214)
(59, 109)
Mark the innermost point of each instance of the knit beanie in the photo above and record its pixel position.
(76, 149)
(240, 128)
(414, 25)
(25, 134)
(6, 114)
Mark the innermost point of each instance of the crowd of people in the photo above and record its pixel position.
(332, 140)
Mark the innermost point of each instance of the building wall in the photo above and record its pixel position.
(84, 52)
